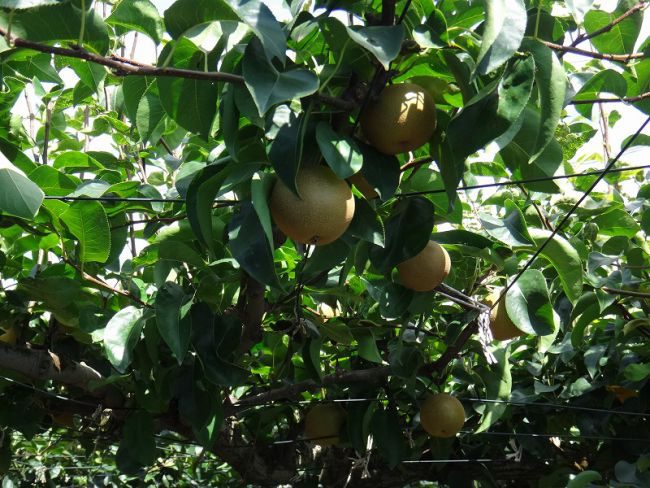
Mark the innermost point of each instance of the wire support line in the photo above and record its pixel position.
(571, 211)
(555, 406)
(523, 182)
(226, 203)
(560, 436)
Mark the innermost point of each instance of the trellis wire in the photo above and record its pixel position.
(568, 215)
(406, 194)
(351, 400)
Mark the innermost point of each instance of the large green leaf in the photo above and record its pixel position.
(121, 335)
(285, 152)
(138, 15)
(58, 23)
(551, 83)
(565, 259)
(184, 14)
(133, 89)
(200, 196)
(249, 245)
(502, 35)
(174, 323)
(191, 103)
(366, 223)
(259, 18)
(511, 230)
(19, 196)
(617, 222)
(605, 81)
(87, 221)
(268, 86)
(529, 306)
(149, 116)
(621, 38)
(381, 171)
(389, 436)
(341, 152)
(579, 8)
(384, 42)
(408, 230)
(518, 152)
(21, 4)
(487, 116)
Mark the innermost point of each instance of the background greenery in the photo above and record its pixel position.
(161, 331)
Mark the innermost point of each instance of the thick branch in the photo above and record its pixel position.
(40, 364)
(583, 37)
(620, 58)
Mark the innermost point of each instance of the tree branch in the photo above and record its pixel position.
(620, 58)
(122, 66)
(42, 364)
(629, 293)
(638, 98)
(583, 37)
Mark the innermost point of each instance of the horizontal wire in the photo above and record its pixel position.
(523, 182)
(414, 193)
(560, 436)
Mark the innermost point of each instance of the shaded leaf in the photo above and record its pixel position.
(340, 152)
(174, 324)
(528, 304)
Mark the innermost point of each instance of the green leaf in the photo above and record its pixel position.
(498, 382)
(565, 259)
(259, 18)
(249, 245)
(381, 171)
(616, 222)
(621, 38)
(408, 230)
(511, 230)
(384, 42)
(215, 338)
(529, 306)
(174, 324)
(605, 81)
(637, 372)
(463, 237)
(138, 441)
(184, 14)
(133, 89)
(191, 103)
(138, 15)
(387, 433)
(19, 196)
(200, 195)
(502, 35)
(326, 257)
(87, 221)
(584, 479)
(261, 185)
(367, 345)
(148, 116)
(52, 181)
(268, 86)
(366, 223)
(551, 88)
(61, 23)
(519, 151)
(285, 152)
(121, 335)
(591, 313)
(488, 115)
(340, 151)
(311, 358)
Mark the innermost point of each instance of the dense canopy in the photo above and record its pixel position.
(158, 328)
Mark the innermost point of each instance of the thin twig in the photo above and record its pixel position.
(638, 98)
(620, 58)
(583, 37)
(630, 293)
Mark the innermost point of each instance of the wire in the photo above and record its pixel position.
(523, 182)
(566, 217)
(560, 436)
